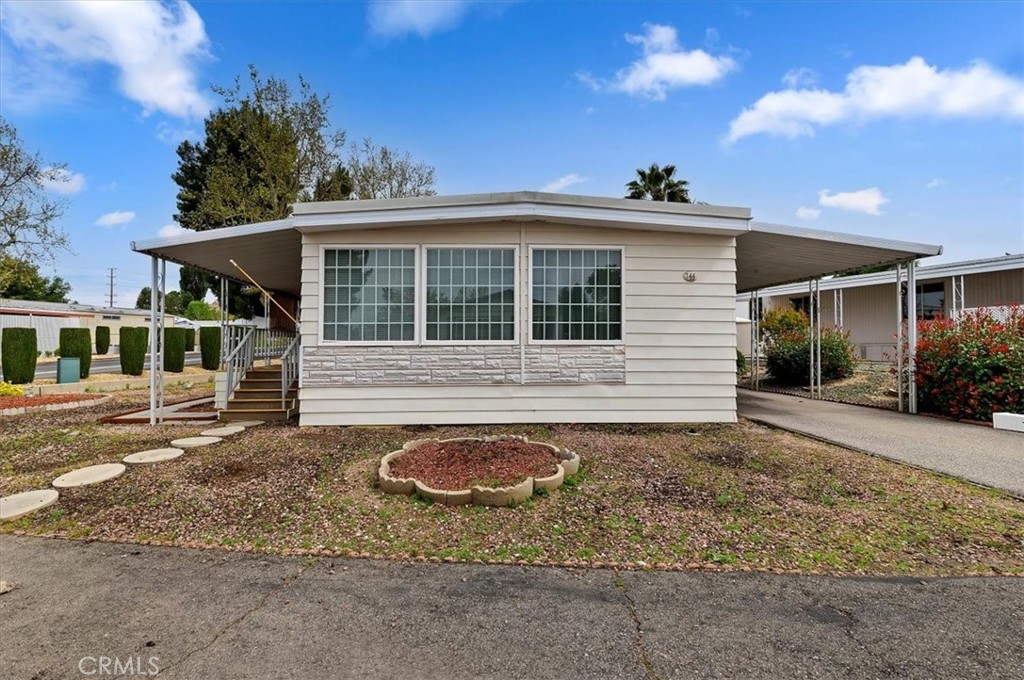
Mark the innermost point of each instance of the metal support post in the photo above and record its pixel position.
(912, 336)
(899, 336)
(154, 273)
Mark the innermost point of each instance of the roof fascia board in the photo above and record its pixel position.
(930, 273)
(211, 235)
(616, 217)
(920, 249)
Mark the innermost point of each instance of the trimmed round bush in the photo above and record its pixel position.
(102, 339)
(972, 367)
(788, 356)
(19, 353)
(134, 343)
(209, 346)
(174, 350)
(77, 342)
(190, 339)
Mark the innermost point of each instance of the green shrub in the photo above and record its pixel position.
(973, 367)
(787, 357)
(190, 339)
(19, 354)
(102, 339)
(174, 350)
(209, 345)
(741, 363)
(777, 322)
(199, 310)
(134, 343)
(77, 342)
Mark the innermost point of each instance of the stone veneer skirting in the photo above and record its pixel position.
(327, 366)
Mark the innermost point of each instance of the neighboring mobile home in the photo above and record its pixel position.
(865, 305)
(49, 317)
(515, 307)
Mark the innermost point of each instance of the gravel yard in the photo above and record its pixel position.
(712, 496)
(870, 385)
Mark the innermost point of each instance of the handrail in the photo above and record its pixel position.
(239, 361)
(289, 368)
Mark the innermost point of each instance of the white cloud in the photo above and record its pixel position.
(154, 47)
(807, 213)
(664, 66)
(913, 89)
(169, 230)
(866, 200)
(59, 180)
(800, 77)
(392, 18)
(563, 183)
(934, 183)
(112, 219)
(712, 36)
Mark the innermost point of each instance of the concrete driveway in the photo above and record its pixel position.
(205, 614)
(993, 458)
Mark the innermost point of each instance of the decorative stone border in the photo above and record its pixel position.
(20, 410)
(502, 496)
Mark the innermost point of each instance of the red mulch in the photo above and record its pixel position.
(458, 465)
(19, 402)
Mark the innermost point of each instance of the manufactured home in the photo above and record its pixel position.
(503, 308)
(866, 305)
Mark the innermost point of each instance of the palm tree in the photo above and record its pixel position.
(657, 184)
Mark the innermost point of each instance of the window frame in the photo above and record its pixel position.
(322, 288)
(422, 293)
(622, 293)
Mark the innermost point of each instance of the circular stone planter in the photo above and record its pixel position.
(192, 442)
(153, 456)
(502, 496)
(94, 474)
(21, 504)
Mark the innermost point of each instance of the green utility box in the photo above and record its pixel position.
(69, 369)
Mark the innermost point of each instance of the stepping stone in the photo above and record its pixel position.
(246, 423)
(153, 456)
(192, 442)
(222, 431)
(94, 474)
(21, 504)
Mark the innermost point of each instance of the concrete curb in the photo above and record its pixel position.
(503, 496)
(21, 410)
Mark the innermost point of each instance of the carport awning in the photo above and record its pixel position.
(766, 254)
(775, 254)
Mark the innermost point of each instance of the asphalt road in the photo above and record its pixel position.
(106, 365)
(993, 458)
(206, 614)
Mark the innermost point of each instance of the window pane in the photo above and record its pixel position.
(577, 294)
(472, 284)
(371, 295)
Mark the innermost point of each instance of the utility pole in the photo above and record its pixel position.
(111, 297)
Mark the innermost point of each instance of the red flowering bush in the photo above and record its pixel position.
(972, 367)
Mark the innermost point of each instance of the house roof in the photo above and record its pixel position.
(923, 274)
(766, 254)
(64, 308)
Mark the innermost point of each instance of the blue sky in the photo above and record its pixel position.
(893, 119)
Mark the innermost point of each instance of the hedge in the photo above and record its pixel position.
(190, 339)
(787, 357)
(209, 345)
(18, 349)
(174, 350)
(102, 339)
(77, 342)
(973, 367)
(134, 343)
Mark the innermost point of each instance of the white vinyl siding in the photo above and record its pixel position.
(679, 337)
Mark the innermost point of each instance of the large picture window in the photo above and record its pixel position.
(370, 295)
(470, 294)
(577, 294)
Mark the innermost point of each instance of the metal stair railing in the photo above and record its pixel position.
(289, 368)
(240, 361)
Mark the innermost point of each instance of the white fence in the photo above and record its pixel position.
(997, 313)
